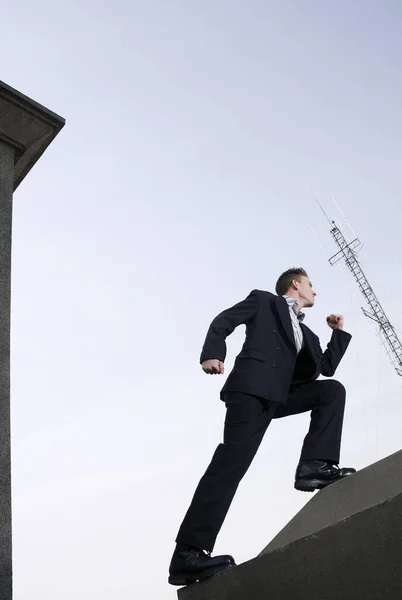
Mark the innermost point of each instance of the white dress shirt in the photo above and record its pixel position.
(296, 318)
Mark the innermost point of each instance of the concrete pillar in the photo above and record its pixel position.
(6, 206)
(26, 130)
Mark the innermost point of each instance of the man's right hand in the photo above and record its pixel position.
(213, 366)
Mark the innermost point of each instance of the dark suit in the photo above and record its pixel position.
(269, 380)
(266, 363)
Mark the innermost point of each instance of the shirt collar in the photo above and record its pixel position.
(292, 303)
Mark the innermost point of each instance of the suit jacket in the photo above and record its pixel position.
(268, 362)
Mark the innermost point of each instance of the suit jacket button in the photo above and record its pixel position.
(278, 348)
(274, 366)
(274, 331)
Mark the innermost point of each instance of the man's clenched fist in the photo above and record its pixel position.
(213, 366)
(335, 321)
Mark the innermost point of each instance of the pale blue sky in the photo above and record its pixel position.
(195, 131)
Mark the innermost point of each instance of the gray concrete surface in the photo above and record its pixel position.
(345, 544)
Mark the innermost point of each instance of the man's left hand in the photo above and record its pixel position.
(335, 321)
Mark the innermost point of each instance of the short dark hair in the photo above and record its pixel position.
(285, 280)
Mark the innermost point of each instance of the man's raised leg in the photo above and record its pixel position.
(318, 466)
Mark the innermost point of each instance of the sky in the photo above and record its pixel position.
(196, 132)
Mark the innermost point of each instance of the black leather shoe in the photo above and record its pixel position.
(189, 565)
(314, 475)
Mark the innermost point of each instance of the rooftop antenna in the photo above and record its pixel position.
(348, 251)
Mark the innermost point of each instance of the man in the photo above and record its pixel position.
(275, 375)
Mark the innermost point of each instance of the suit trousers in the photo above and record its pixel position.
(247, 419)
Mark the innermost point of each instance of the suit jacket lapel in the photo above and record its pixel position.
(283, 310)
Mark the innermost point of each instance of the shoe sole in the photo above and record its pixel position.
(184, 579)
(311, 485)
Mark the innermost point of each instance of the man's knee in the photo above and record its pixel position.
(336, 388)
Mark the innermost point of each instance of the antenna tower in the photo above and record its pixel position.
(348, 251)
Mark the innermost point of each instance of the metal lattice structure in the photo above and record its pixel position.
(348, 252)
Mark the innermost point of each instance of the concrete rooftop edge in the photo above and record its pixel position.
(26, 126)
(33, 107)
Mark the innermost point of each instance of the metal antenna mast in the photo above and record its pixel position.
(348, 252)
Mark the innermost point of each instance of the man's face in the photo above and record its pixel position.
(306, 292)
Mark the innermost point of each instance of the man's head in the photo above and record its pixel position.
(296, 283)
